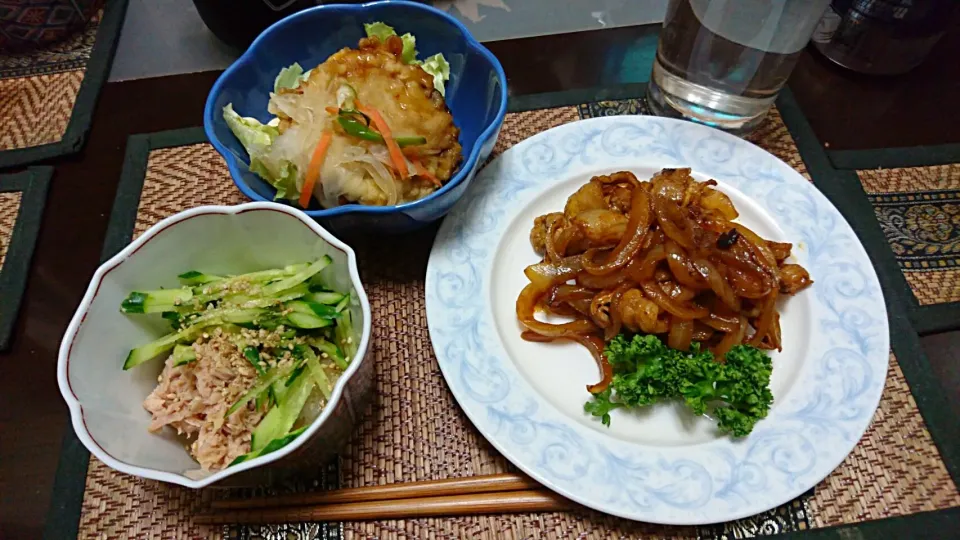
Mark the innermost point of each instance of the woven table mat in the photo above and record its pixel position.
(9, 210)
(47, 95)
(22, 197)
(919, 211)
(416, 431)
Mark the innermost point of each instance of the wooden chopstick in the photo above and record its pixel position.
(509, 502)
(401, 490)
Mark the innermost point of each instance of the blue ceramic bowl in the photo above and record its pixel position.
(476, 95)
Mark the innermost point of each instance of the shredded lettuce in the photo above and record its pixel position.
(284, 180)
(290, 77)
(256, 138)
(409, 52)
(253, 135)
(382, 31)
(379, 30)
(436, 65)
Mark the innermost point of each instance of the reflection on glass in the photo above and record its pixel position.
(722, 62)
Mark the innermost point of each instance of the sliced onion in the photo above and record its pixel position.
(702, 332)
(603, 282)
(759, 246)
(549, 242)
(616, 319)
(721, 322)
(630, 242)
(730, 339)
(680, 335)
(542, 277)
(662, 299)
(680, 266)
(671, 221)
(717, 283)
(764, 322)
(745, 284)
(648, 266)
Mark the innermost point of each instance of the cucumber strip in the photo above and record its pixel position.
(307, 320)
(344, 335)
(155, 348)
(325, 297)
(280, 442)
(342, 305)
(312, 308)
(267, 429)
(197, 278)
(299, 277)
(278, 391)
(155, 301)
(319, 376)
(281, 418)
(263, 382)
(219, 289)
(259, 301)
(253, 355)
(183, 354)
(233, 315)
(295, 375)
(331, 350)
(273, 445)
(174, 318)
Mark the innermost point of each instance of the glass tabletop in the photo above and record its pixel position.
(167, 37)
(491, 20)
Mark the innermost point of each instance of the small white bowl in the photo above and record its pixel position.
(106, 402)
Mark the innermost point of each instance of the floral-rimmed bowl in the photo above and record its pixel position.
(106, 402)
(476, 95)
(660, 464)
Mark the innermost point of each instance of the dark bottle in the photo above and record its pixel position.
(883, 37)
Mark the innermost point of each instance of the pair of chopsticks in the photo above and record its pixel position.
(494, 494)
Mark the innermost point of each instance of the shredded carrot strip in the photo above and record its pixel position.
(332, 110)
(395, 154)
(422, 171)
(313, 169)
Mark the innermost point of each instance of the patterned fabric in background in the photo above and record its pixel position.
(38, 88)
(614, 108)
(27, 24)
(919, 212)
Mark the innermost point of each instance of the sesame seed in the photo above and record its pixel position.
(349, 340)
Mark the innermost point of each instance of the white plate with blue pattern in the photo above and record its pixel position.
(661, 465)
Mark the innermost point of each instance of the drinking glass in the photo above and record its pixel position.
(723, 62)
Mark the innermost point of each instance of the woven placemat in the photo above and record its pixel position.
(919, 211)
(47, 96)
(415, 430)
(22, 197)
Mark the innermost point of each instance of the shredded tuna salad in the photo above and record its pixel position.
(251, 361)
(193, 399)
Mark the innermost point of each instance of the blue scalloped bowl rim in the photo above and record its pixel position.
(466, 167)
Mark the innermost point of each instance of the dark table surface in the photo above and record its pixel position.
(847, 111)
